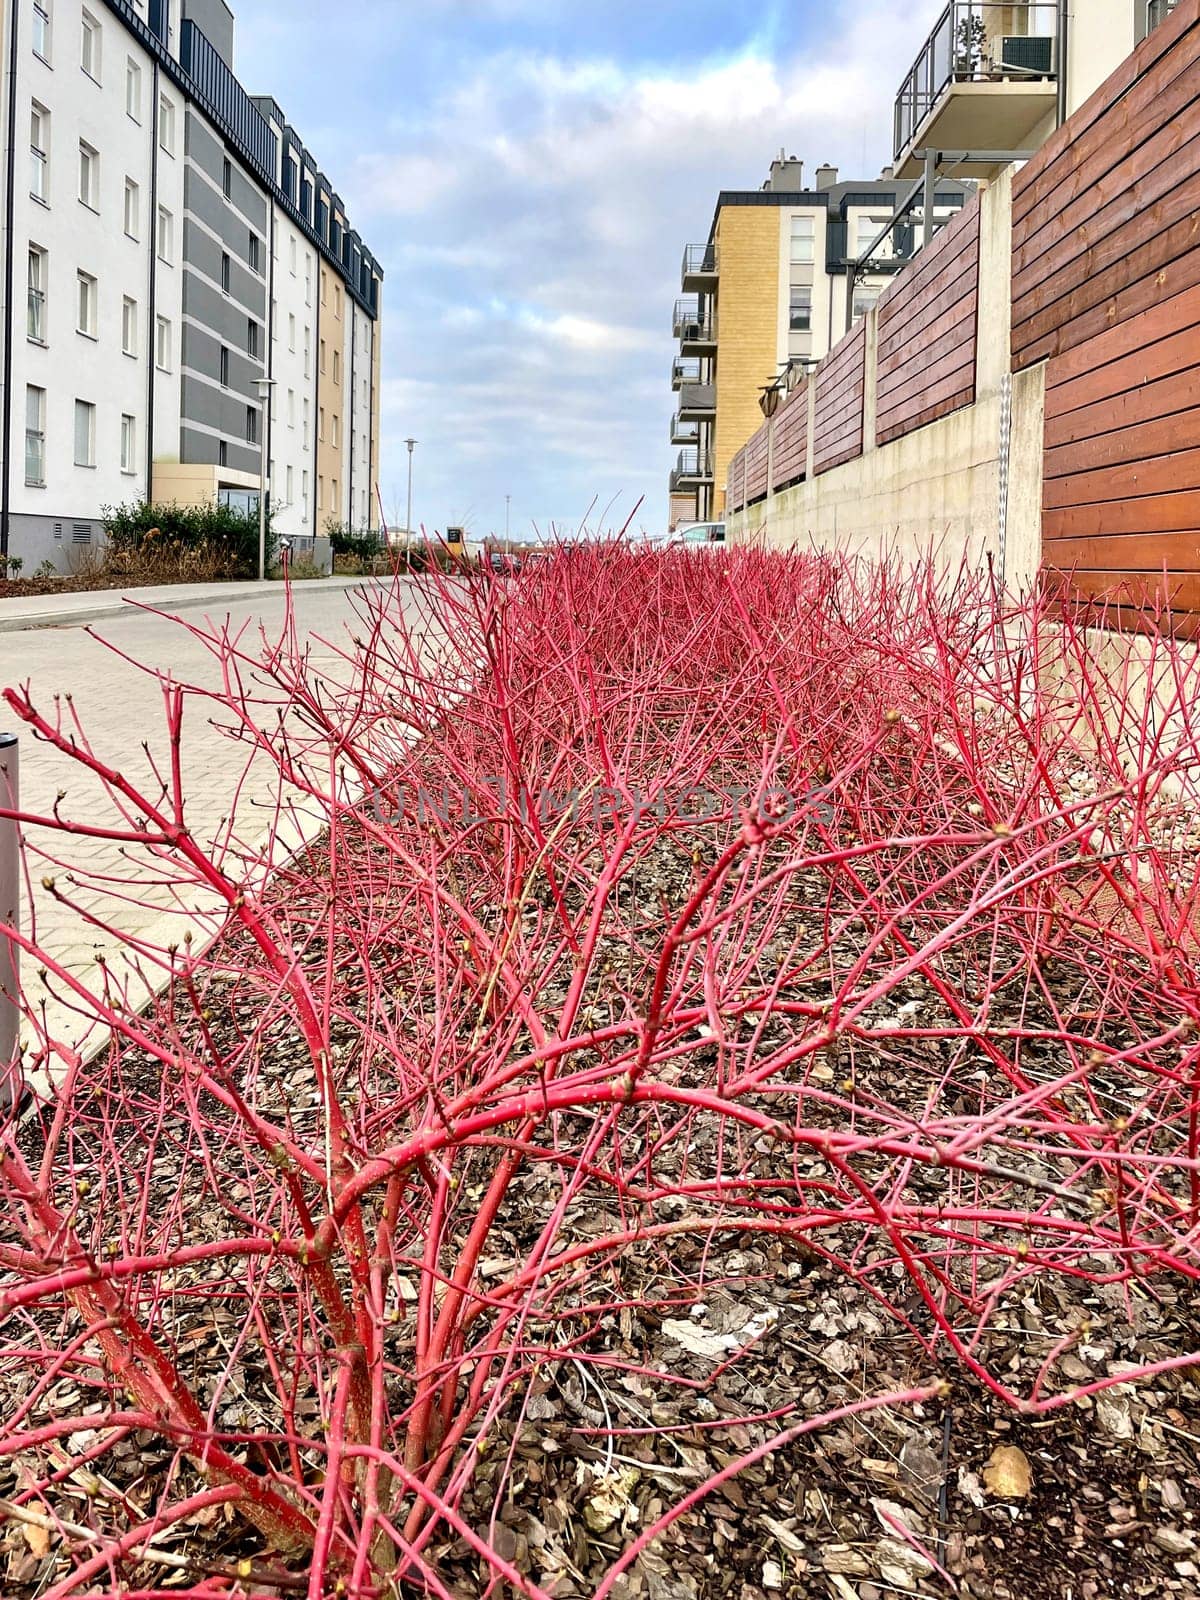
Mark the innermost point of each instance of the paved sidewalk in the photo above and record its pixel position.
(60, 610)
(119, 707)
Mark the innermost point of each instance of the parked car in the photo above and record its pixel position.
(701, 535)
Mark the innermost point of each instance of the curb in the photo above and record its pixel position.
(114, 603)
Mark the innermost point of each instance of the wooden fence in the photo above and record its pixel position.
(1106, 289)
(928, 333)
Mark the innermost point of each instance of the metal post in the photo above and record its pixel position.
(931, 166)
(507, 503)
(411, 443)
(10, 911)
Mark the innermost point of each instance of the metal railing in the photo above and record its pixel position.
(684, 432)
(699, 258)
(692, 324)
(691, 467)
(1158, 11)
(698, 397)
(975, 41)
(685, 369)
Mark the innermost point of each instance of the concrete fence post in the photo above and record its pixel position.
(10, 903)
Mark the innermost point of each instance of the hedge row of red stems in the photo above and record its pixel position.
(949, 857)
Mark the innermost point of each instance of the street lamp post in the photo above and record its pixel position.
(411, 443)
(507, 503)
(265, 385)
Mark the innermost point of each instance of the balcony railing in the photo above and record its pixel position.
(975, 41)
(691, 468)
(698, 258)
(685, 369)
(700, 266)
(684, 432)
(692, 324)
(697, 400)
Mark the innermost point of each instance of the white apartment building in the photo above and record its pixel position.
(164, 236)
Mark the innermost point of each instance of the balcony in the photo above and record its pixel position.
(684, 432)
(695, 327)
(692, 469)
(986, 79)
(697, 402)
(699, 272)
(684, 369)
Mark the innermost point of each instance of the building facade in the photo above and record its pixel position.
(166, 241)
(993, 81)
(786, 270)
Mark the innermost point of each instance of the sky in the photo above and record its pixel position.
(528, 173)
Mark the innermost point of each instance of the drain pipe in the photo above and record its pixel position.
(14, 20)
(1062, 58)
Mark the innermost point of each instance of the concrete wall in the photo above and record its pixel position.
(968, 485)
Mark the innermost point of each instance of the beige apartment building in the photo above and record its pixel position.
(785, 271)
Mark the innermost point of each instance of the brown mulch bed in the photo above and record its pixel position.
(1111, 1508)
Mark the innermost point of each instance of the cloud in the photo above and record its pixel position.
(531, 206)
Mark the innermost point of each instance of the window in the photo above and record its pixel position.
(333, 495)
(128, 444)
(254, 252)
(166, 125)
(85, 434)
(39, 153)
(89, 176)
(35, 326)
(291, 408)
(324, 287)
(89, 46)
(320, 492)
(35, 437)
(133, 89)
(304, 495)
(129, 326)
(41, 29)
(291, 485)
(166, 235)
(308, 280)
(337, 431)
(226, 272)
(291, 332)
(162, 347)
(252, 338)
(321, 423)
(251, 425)
(222, 454)
(227, 177)
(131, 208)
(337, 366)
(224, 367)
(802, 239)
(864, 237)
(322, 355)
(337, 301)
(307, 420)
(800, 315)
(292, 255)
(308, 352)
(86, 322)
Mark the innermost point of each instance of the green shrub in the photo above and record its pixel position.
(363, 547)
(217, 538)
